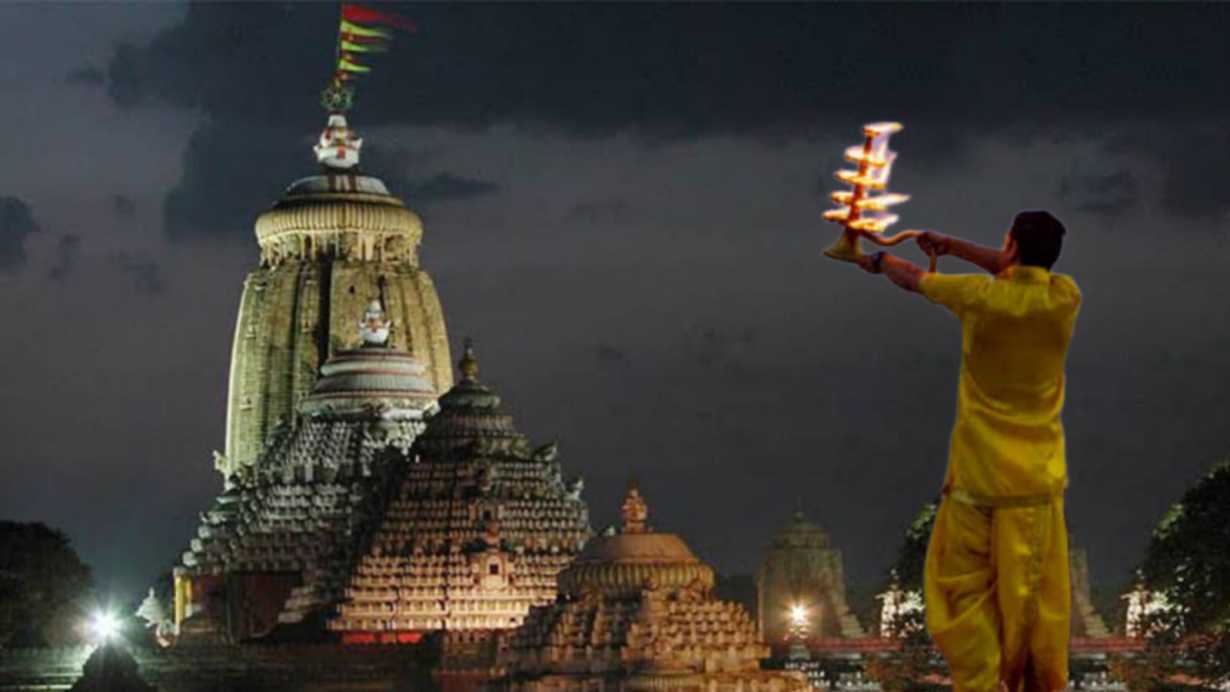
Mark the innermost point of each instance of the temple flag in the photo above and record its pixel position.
(361, 31)
(359, 14)
(373, 47)
(345, 65)
(364, 31)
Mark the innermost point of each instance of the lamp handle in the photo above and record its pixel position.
(898, 239)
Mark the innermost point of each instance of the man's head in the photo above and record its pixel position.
(1035, 239)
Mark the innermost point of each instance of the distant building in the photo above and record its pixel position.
(802, 568)
(1086, 622)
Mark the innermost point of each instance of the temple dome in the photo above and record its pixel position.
(624, 564)
(347, 215)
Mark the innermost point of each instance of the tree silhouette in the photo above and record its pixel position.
(1188, 564)
(44, 587)
(909, 669)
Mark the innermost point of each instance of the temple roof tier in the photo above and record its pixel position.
(344, 215)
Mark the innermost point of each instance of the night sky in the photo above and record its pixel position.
(622, 207)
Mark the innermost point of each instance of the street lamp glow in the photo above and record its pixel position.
(103, 626)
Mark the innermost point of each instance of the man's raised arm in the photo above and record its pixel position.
(902, 272)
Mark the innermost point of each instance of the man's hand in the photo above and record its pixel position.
(935, 244)
(992, 260)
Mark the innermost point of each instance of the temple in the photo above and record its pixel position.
(1086, 623)
(333, 243)
(801, 568)
(636, 610)
(358, 502)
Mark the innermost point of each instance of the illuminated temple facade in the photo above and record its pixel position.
(362, 501)
(275, 545)
(333, 243)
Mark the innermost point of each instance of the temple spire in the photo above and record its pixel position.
(635, 510)
(468, 365)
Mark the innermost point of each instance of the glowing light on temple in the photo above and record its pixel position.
(798, 616)
(103, 627)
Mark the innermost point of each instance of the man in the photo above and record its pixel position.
(996, 577)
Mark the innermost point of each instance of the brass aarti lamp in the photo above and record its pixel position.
(862, 213)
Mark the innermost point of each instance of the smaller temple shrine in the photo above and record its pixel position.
(802, 570)
(1086, 622)
(637, 611)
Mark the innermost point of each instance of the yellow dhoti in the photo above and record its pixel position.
(997, 594)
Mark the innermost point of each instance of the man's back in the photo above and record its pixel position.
(1008, 443)
(996, 582)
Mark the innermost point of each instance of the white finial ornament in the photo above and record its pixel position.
(374, 327)
(339, 145)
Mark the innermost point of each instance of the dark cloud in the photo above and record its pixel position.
(1192, 161)
(123, 205)
(955, 71)
(393, 164)
(1195, 182)
(16, 222)
(384, 159)
(221, 188)
(695, 69)
(445, 187)
(146, 274)
(1103, 190)
(718, 347)
(86, 76)
(614, 211)
(67, 248)
(609, 355)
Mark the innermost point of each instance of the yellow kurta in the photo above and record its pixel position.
(996, 578)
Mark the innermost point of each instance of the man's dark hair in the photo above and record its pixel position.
(1039, 237)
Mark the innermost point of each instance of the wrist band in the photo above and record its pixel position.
(877, 262)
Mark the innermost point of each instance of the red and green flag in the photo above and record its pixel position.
(361, 32)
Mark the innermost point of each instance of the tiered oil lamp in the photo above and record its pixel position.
(862, 213)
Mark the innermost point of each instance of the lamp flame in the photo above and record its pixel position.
(862, 213)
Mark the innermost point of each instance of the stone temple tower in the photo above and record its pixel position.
(331, 245)
(802, 567)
